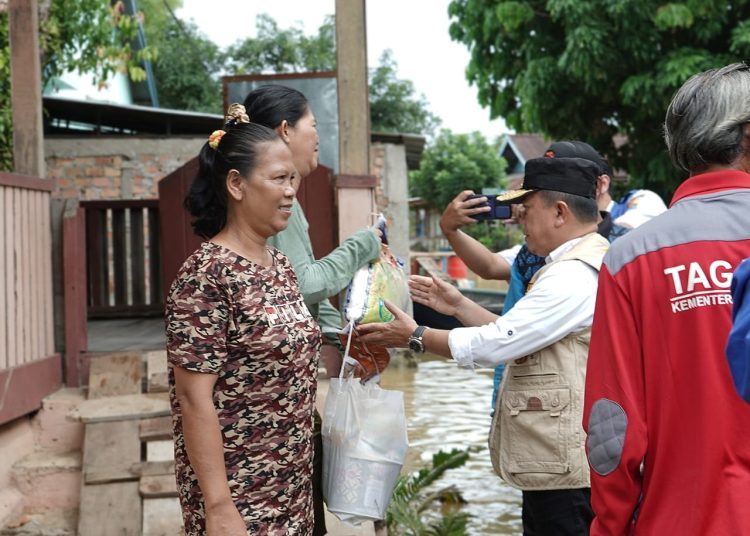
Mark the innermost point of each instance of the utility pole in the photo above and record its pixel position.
(355, 185)
(26, 88)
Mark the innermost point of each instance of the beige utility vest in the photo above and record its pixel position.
(537, 439)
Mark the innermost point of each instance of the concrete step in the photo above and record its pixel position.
(52, 430)
(11, 506)
(50, 523)
(16, 440)
(49, 480)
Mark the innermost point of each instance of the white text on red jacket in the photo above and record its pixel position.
(694, 285)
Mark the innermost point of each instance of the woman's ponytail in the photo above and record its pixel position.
(206, 200)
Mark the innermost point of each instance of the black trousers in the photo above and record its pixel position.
(562, 512)
(317, 483)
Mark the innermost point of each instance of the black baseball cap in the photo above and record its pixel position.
(578, 149)
(576, 176)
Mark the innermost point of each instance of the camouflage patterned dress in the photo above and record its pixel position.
(249, 325)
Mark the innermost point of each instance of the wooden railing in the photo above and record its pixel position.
(29, 368)
(124, 261)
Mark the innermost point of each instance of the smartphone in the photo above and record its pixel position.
(497, 211)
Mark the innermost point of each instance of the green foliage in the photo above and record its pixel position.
(185, 84)
(453, 163)
(158, 15)
(495, 235)
(277, 50)
(6, 120)
(85, 36)
(514, 14)
(78, 35)
(410, 500)
(394, 107)
(591, 69)
(673, 16)
(185, 72)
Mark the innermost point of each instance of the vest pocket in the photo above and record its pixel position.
(537, 425)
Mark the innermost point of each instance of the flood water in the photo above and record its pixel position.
(448, 407)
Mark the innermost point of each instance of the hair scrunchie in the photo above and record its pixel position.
(215, 138)
(236, 113)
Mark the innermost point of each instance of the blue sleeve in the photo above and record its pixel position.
(738, 345)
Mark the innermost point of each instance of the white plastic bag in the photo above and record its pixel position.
(364, 447)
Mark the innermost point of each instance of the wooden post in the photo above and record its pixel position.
(74, 277)
(26, 88)
(356, 199)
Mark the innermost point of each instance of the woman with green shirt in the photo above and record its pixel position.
(288, 112)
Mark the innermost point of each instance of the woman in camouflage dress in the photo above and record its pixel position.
(242, 347)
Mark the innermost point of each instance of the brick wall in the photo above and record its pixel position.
(130, 167)
(114, 168)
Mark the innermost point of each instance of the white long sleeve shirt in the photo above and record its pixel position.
(560, 302)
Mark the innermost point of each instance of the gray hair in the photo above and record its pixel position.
(705, 118)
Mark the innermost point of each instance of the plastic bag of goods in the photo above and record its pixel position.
(364, 447)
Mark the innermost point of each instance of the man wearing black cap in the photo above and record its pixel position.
(536, 439)
(635, 208)
(518, 265)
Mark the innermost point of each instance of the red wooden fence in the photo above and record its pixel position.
(124, 263)
(29, 367)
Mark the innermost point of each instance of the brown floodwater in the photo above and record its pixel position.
(448, 407)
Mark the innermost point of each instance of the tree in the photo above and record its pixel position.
(394, 107)
(591, 69)
(276, 50)
(187, 69)
(74, 35)
(185, 73)
(453, 163)
(457, 162)
(182, 84)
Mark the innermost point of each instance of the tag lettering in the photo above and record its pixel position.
(693, 286)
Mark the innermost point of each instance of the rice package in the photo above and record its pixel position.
(382, 279)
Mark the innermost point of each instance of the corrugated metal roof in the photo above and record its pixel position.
(109, 118)
(127, 119)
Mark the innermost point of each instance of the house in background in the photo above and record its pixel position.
(517, 149)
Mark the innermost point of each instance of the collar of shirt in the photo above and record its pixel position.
(707, 183)
(561, 250)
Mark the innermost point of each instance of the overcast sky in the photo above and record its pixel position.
(415, 30)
